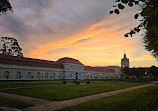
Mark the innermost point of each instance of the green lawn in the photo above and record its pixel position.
(63, 92)
(12, 103)
(17, 84)
(145, 99)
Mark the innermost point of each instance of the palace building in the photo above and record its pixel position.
(22, 68)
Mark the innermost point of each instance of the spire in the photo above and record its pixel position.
(124, 54)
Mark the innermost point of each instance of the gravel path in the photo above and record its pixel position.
(54, 105)
(29, 100)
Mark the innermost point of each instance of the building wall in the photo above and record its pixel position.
(18, 72)
(24, 70)
(73, 71)
(98, 75)
(117, 70)
(124, 64)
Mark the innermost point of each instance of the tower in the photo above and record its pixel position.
(124, 61)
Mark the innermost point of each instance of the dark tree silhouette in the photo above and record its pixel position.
(148, 16)
(10, 46)
(5, 6)
(153, 71)
(126, 70)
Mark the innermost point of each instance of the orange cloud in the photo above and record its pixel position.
(102, 43)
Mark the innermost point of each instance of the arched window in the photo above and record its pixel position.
(60, 76)
(18, 75)
(46, 76)
(38, 76)
(53, 76)
(6, 75)
(29, 76)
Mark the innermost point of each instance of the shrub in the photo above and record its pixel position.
(78, 82)
(74, 81)
(64, 82)
(88, 82)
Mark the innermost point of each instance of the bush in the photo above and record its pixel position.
(78, 82)
(88, 82)
(74, 81)
(64, 82)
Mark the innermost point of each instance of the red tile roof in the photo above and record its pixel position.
(68, 60)
(7, 59)
(98, 69)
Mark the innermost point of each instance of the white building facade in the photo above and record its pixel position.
(21, 68)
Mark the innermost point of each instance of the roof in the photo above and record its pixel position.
(68, 60)
(124, 58)
(8, 59)
(98, 69)
(16, 60)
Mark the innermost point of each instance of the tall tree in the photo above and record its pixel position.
(5, 6)
(153, 71)
(10, 46)
(126, 70)
(148, 16)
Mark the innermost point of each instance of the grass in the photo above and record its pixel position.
(145, 99)
(12, 103)
(63, 92)
(18, 84)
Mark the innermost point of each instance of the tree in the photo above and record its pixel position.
(126, 70)
(5, 6)
(153, 71)
(10, 46)
(140, 72)
(148, 21)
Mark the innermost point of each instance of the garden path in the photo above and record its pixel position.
(54, 105)
(29, 100)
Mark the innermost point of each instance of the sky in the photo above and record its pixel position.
(80, 29)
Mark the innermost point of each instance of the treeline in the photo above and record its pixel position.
(141, 73)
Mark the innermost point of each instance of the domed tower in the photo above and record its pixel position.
(124, 61)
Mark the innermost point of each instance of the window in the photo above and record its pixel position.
(29, 76)
(53, 76)
(6, 75)
(46, 76)
(38, 76)
(71, 76)
(18, 75)
(59, 76)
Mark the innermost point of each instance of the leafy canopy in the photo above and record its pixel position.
(148, 16)
(5, 6)
(10, 46)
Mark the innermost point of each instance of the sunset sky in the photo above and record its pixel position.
(81, 29)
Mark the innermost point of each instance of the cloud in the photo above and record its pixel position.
(83, 40)
(14, 25)
(60, 50)
(51, 29)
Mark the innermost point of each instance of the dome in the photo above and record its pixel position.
(69, 60)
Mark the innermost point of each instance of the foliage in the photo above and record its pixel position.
(153, 71)
(64, 82)
(88, 82)
(10, 46)
(148, 16)
(141, 73)
(126, 70)
(78, 82)
(126, 76)
(144, 99)
(5, 6)
(74, 81)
